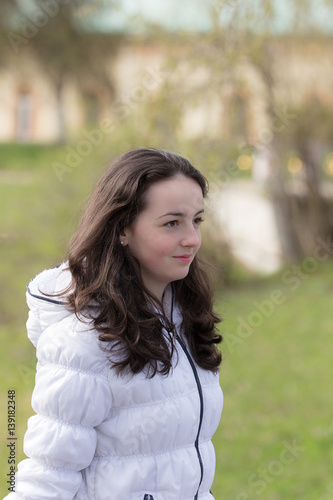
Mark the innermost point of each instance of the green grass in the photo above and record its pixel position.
(276, 375)
(277, 379)
(37, 216)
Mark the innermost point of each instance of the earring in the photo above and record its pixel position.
(121, 242)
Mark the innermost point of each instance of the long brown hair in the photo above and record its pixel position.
(106, 282)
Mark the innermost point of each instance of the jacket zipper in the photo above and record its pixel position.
(197, 379)
(196, 376)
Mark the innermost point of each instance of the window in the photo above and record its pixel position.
(24, 117)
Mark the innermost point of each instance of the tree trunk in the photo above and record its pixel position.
(318, 222)
(60, 112)
(284, 209)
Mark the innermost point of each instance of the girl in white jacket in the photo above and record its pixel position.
(127, 395)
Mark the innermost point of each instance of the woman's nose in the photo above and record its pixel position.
(192, 237)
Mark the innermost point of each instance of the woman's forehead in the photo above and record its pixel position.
(179, 193)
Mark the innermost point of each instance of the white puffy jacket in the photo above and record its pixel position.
(97, 435)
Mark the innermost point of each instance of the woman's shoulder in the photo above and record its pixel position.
(50, 282)
(72, 343)
(59, 335)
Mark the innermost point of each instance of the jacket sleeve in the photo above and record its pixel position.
(71, 397)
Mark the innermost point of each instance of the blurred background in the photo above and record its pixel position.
(244, 90)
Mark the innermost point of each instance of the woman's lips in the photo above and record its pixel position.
(183, 258)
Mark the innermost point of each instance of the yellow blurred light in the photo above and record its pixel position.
(295, 165)
(328, 165)
(244, 162)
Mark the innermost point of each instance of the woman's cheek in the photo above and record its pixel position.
(163, 246)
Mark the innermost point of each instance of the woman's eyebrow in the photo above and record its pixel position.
(179, 214)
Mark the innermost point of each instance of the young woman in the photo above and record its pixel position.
(127, 394)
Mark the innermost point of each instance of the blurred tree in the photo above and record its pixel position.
(244, 54)
(307, 140)
(300, 127)
(60, 37)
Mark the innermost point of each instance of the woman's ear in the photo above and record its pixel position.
(123, 237)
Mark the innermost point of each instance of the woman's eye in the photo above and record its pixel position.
(198, 220)
(172, 223)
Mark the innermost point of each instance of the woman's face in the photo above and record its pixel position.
(166, 235)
